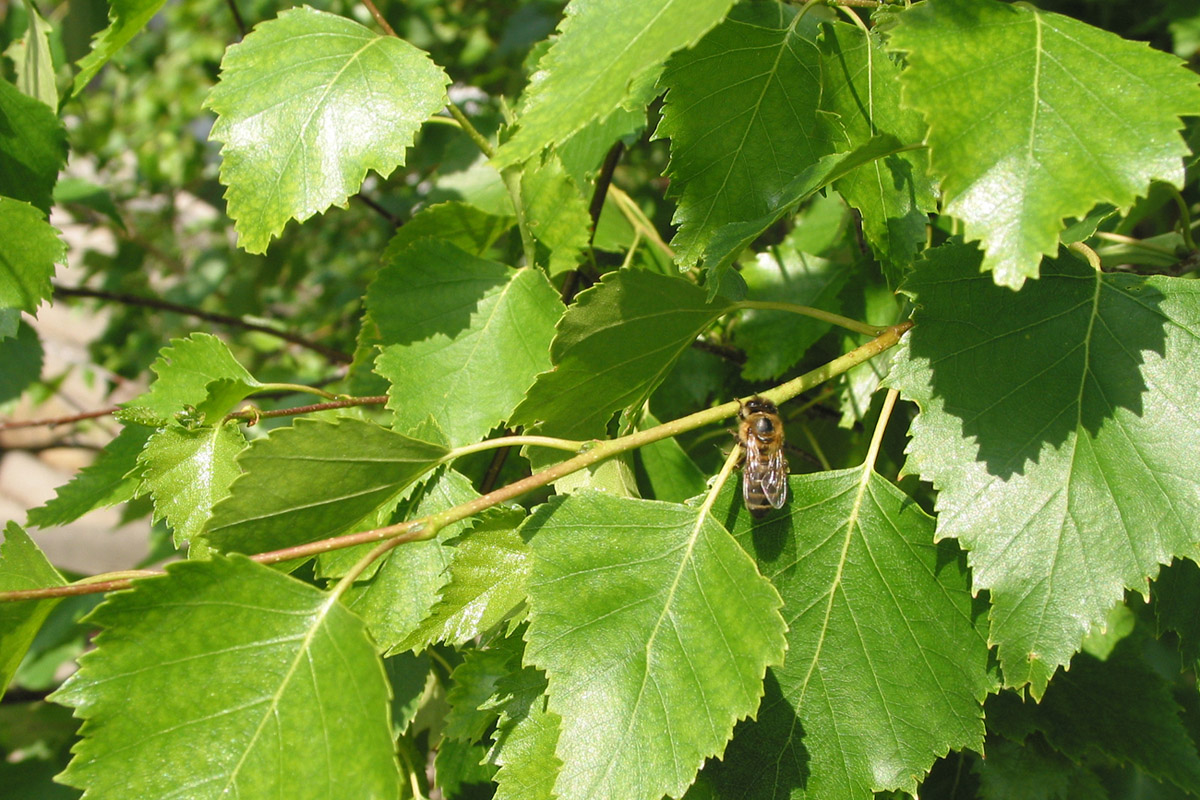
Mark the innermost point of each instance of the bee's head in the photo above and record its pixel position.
(757, 405)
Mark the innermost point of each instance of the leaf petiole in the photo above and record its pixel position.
(815, 313)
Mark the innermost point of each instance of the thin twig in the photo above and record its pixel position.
(391, 218)
(222, 319)
(603, 181)
(237, 17)
(253, 415)
(53, 421)
(383, 23)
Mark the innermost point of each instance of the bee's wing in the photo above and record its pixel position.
(752, 464)
(774, 479)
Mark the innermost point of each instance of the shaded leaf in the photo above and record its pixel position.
(1016, 147)
(22, 566)
(741, 113)
(649, 617)
(524, 740)
(474, 683)
(187, 472)
(230, 678)
(487, 580)
(886, 668)
(728, 242)
(1176, 599)
(774, 341)
(471, 229)
(306, 104)
(29, 249)
(314, 480)
(1119, 708)
(21, 356)
(112, 478)
(446, 319)
(408, 580)
(33, 148)
(894, 194)
(614, 345)
(603, 49)
(1051, 422)
(557, 212)
(126, 19)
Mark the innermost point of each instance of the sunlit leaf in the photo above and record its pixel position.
(602, 50)
(648, 614)
(230, 679)
(306, 104)
(126, 19)
(29, 249)
(1044, 117)
(112, 478)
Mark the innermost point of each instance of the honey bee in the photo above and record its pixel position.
(764, 468)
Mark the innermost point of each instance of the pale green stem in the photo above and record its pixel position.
(731, 461)
(885, 413)
(1132, 242)
(472, 132)
(1185, 217)
(816, 446)
(637, 219)
(815, 313)
(515, 441)
(299, 388)
(1086, 252)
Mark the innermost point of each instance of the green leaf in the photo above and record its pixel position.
(474, 683)
(126, 19)
(1120, 708)
(306, 104)
(1052, 423)
(22, 566)
(112, 478)
(471, 229)
(886, 669)
(446, 320)
(314, 480)
(614, 345)
(1176, 598)
(408, 580)
(187, 472)
(33, 148)
(557, 212)
(1014, 142)
(741, 113)
(524, 739)
(728, 242)
(671, 473)
(21, 356)
(488, 576)
(459, 764)
(893, 195)
(229, 678)
(602, 51)
(774, 341)
(32, 59)
(185, 369)
(29, 249)
(654, 630)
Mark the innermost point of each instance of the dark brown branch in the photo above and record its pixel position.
(383, 23)
(724, 351)
(253, 415)
(603, 181)
(50, 423)
(391, 218)
(330, 353)
(237, 17)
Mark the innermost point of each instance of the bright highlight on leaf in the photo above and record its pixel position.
(1053, 424)
(604, 48)
(307, 103)
(269, 686)
(654, 630)
(1034, 117)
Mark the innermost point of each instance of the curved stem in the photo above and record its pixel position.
(1149, 247)
(253, 415)
(298, 388)
(885, 413)
(1185, 217)
(383, 23)
(638, 220)
(510, 441)
(428, 526)
(472, 132)
(815, 313)
(1086, 252)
